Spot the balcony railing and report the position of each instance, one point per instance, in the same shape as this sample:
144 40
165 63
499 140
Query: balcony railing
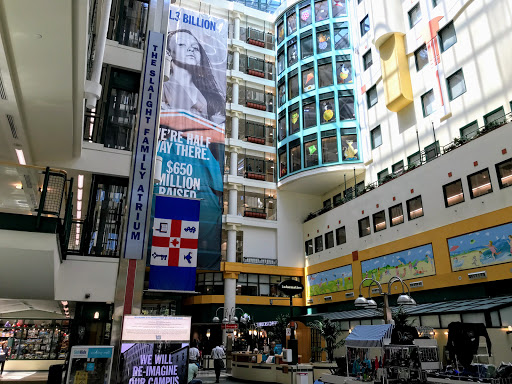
257 133
36 199
128 22
256 169
260 261
256 37
424 157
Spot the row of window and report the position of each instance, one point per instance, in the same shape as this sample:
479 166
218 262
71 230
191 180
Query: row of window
248 284
307 154
324 41
312 78
311 113
305 16
479 184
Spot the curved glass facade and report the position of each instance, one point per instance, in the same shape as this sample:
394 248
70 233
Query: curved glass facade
316 119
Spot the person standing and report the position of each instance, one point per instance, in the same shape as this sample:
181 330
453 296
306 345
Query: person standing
3 356
193 353
217 356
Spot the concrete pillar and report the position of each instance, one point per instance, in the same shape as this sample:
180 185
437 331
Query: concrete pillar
235 93
232 206
234 126
229 300
236 31
236 60
231 246
233 164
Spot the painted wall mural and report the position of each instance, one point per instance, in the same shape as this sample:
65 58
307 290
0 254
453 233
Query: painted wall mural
330 281
486 247
409 264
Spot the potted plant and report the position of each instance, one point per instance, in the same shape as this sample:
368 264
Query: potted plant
331 332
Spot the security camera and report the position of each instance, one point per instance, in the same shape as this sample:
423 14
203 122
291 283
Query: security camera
87 295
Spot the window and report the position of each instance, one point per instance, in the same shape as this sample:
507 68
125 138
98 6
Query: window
432 151
344 72
376 137
291 22
280 33
367 60
293 85
283 162
427 103
414 208
293 55
339 8
479 183
398 168
295 155
308 79
396 215
306 46
305 16
349 148
281 94
497 116
309 113
504 172
414 159
365 25
346 105
359 187
325 74
364 227
336 199
310 151
453 193
318 244
308 247
323 41
281 126
469 131
329 147
421 56
327 110
414 15
341 39
435 3
456 85
321 10
329 239
379 221
280 62
447 37
382 175
371 96
341 236
293 115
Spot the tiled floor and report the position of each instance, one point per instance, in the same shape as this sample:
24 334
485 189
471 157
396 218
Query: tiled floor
26 377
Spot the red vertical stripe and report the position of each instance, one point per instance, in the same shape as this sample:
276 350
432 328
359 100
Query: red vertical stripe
176 228
174 257
130 283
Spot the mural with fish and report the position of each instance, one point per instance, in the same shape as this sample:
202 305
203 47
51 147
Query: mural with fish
409 264
330 281
481 248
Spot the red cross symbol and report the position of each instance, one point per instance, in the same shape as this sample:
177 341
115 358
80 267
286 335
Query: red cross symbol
175 242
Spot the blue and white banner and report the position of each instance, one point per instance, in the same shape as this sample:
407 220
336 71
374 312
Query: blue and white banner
173 255
192 122
144 150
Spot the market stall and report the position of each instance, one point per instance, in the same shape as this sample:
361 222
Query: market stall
361 360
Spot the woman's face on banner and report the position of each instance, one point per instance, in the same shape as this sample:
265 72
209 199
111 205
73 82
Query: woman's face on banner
185 48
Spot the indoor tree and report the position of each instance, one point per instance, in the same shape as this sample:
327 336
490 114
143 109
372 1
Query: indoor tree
331 332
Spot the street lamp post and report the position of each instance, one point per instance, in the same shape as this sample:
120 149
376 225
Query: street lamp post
403 299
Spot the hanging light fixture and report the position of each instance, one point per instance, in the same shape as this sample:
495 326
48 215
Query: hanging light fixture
361 302
208 333
372 304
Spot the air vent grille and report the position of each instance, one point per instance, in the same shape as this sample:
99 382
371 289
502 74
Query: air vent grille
310 301
3 95
477 275
14 131
416 284
328 298
349 294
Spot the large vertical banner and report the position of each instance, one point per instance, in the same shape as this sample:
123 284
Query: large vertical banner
192 122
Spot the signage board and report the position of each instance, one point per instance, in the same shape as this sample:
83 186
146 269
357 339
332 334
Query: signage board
291 287
229 326
90 364
141 178
156 328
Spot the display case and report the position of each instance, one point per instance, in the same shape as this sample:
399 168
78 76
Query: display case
35 339
402 364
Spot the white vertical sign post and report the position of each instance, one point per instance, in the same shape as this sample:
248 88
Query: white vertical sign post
141 180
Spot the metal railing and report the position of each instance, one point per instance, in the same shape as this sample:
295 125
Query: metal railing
43 193
425 156
256 169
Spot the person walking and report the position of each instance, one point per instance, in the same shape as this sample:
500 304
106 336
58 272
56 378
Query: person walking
218 364
193 353
3 356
